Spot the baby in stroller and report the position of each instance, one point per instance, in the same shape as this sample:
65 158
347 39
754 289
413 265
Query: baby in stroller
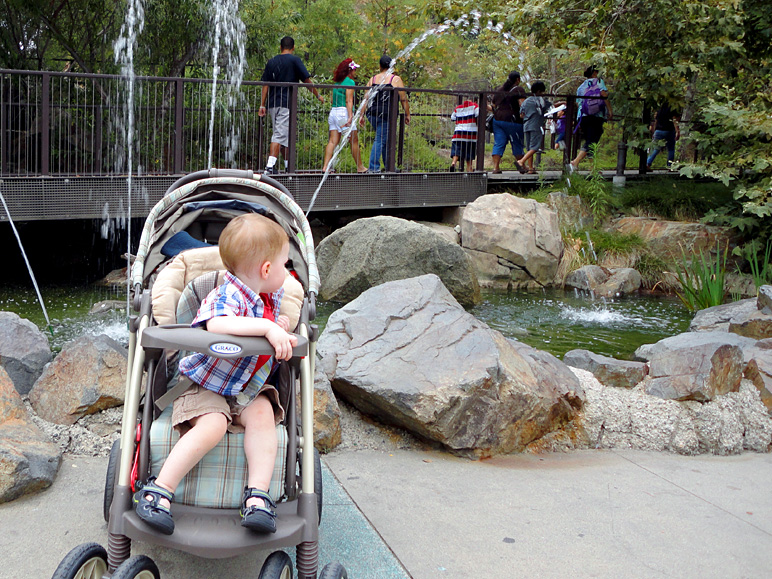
232 394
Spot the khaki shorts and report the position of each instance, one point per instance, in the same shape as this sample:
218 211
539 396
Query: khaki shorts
197 401
280 118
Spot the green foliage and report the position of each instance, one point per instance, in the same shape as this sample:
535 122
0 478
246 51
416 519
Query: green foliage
702 280
761 268
669 199
608 243
594 190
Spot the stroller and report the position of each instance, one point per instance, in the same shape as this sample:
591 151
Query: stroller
167 290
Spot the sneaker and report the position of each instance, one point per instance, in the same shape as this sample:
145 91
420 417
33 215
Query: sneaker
269 171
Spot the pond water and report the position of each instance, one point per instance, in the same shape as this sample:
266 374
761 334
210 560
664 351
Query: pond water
68 308
553 320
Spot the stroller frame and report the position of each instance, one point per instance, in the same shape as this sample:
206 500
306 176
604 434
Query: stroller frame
208 532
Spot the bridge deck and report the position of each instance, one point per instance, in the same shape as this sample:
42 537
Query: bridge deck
58 198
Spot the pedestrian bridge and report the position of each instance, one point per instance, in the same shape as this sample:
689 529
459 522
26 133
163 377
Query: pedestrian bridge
63 152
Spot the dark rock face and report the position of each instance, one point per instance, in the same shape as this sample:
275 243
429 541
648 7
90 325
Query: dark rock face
608 371
29 460
408 354
369 252
89 375
24 350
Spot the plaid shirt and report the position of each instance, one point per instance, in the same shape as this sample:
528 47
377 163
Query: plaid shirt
229 376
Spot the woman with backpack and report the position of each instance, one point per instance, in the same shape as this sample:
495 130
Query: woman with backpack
592 112
379 105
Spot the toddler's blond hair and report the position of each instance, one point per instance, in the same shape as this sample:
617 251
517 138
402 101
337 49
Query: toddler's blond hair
250 238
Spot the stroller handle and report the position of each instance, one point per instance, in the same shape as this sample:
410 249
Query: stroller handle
182 337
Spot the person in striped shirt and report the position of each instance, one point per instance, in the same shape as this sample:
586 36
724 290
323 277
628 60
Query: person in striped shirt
464 144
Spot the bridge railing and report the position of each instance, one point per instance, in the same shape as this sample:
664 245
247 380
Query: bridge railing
65 124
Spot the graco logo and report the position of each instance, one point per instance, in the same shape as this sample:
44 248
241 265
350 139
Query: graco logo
225 348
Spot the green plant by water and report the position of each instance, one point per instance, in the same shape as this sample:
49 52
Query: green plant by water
702 280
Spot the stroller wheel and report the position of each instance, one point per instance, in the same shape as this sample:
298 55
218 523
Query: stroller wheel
112 472
86 561
333 571
139 567
278 565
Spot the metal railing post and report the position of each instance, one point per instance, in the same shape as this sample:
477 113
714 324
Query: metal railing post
401 143
570 125
391 140
45 125
293 130
4 140
482 115
179 123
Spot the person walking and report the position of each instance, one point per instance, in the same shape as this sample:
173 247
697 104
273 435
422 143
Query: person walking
533 111
284 67
342 113
463 145
379 103
507 123
591 113
665 128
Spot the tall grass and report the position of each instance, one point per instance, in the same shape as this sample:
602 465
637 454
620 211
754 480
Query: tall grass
702 280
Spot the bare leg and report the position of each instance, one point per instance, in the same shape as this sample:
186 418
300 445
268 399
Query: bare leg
454 160
207 431
579 156
330 148
274 149
496 161
260 444
356 153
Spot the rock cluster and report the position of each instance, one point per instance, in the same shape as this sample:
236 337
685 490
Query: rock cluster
605 282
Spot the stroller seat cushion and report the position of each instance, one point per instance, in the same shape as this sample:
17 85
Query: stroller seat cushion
189 265
217 481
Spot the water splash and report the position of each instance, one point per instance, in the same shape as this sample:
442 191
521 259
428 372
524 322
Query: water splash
29 267
600 316
230 32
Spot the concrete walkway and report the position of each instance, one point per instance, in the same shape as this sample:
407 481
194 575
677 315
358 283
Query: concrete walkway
582 514
428 514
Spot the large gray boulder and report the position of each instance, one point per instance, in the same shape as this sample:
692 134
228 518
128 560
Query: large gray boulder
29 460
371 251
24 350
522 235
88 375
609 371
408 354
